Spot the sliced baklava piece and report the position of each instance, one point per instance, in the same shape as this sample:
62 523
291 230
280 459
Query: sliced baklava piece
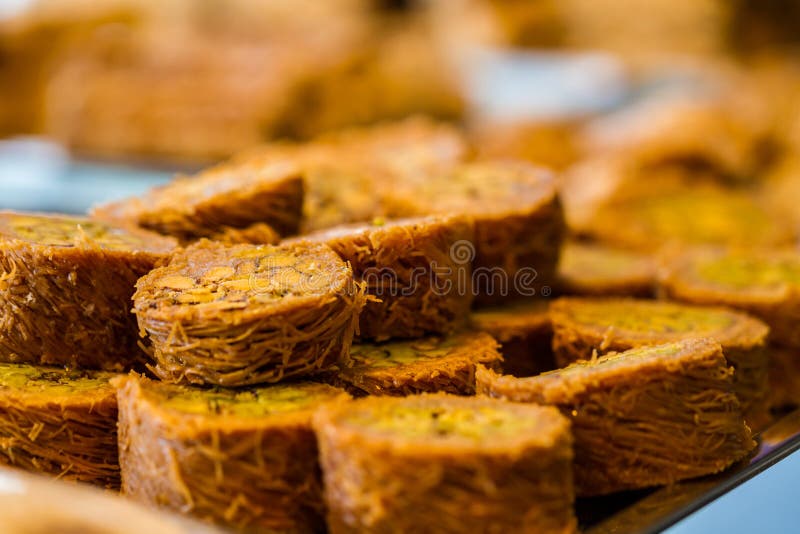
232 195
784 378
519 223
584 327
525 335
407 266
248 314
431 364
445 463
645 417
65 289
599 270
648 218
59 423
245 458
765 283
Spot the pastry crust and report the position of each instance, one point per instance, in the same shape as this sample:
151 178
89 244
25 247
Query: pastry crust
234 195
451 463
426 365
245 459
248 314
583 326
417 286
519 222
645 417
65 289
59 423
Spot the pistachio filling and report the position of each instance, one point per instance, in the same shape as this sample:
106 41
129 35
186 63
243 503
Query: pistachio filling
31 379
653 317
67 231
740 272
479 424
248 403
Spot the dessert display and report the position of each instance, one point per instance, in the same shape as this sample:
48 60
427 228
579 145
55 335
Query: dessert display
248 314
648 416
414 285
396 265
59 423
65 289
477 464
243 458
585 327
426 365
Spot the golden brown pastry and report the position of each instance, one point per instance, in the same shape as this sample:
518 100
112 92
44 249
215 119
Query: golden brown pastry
227 198
449 463
583 327
519 223
426 365
59 423
248 314
762 282
65 289
244 459
415 284
644 417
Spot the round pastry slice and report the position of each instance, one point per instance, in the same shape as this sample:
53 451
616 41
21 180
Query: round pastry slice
519 223
424 365
248 314
599 270
60 423
765 283
232 195
684 214
418 286
445 463
65 289
525 335
645 417
582 327
245 459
